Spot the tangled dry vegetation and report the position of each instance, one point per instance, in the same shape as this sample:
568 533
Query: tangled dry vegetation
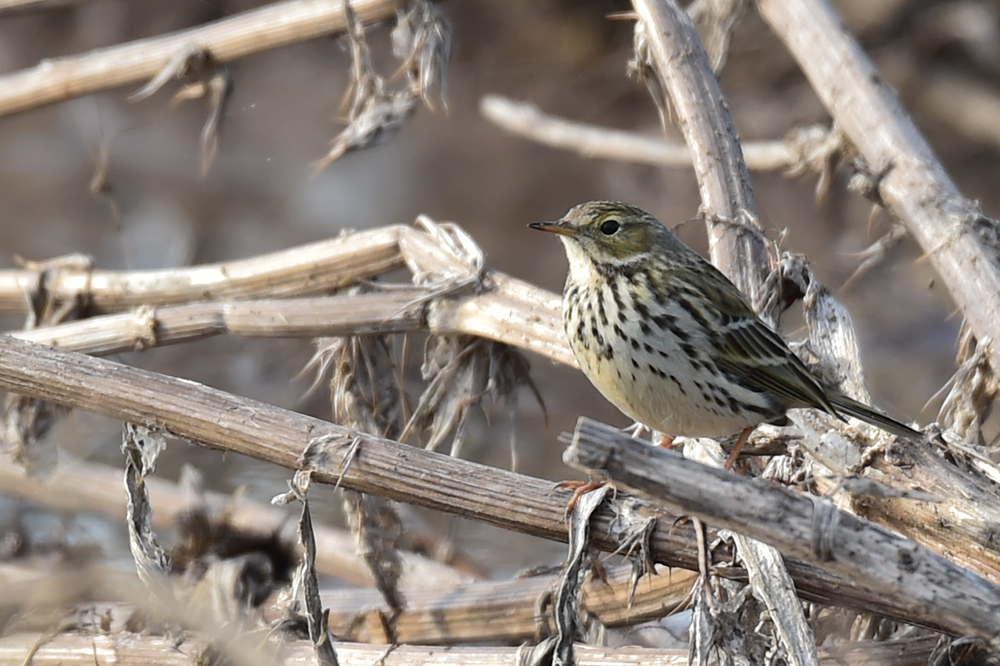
835 543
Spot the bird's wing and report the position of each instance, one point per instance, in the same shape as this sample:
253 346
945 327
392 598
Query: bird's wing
757 356
762 361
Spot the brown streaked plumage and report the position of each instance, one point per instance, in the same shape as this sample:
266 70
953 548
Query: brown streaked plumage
670 341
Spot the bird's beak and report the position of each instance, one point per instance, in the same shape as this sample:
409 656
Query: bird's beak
561 227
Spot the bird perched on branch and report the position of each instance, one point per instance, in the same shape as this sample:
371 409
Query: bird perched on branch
670 341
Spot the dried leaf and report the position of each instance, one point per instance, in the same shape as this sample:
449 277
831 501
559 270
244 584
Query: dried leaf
872 255
375 113
307 580
972 390
462 370
201 75
364 388
567 608
377 528
422 40
366 395
27 421
641 68
717 21
141 446
819 150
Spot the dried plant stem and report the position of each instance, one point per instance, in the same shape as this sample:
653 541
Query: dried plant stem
604 142
699 107
506 309
736 243
226 40
79 649
77 485
299 271
960 242
512 312
504 610
383 467
801 525
389 312
135 650
878 478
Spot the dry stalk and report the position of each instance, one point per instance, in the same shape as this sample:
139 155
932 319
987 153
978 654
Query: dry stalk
802 525
693 94
393 470
508 611
78 485
895 472
502 308
226 40
528 121
300 271
85 648
669 50
962 244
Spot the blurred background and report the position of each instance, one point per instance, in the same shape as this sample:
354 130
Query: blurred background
565 56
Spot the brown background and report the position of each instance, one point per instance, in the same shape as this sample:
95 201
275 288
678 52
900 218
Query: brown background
567 58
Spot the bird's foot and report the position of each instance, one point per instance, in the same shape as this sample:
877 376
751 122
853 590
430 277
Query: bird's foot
635 430
741 441
579 488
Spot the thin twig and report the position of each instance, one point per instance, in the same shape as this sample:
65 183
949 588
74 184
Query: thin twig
604 142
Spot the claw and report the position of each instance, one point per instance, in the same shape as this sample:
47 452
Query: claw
740 443
580 488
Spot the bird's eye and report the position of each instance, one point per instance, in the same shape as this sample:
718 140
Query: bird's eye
609 227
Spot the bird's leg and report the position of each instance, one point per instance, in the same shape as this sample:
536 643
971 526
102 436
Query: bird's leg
579 488
666 441
737 448
635 430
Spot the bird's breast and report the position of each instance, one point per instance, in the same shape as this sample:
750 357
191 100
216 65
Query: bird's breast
650 358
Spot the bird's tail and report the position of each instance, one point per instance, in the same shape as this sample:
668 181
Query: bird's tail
869 415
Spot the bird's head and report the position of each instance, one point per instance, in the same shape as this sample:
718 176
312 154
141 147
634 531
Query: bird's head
609 233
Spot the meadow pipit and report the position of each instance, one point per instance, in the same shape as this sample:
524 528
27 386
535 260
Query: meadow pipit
670 341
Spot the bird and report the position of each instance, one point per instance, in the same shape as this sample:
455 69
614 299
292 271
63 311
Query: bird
670 341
